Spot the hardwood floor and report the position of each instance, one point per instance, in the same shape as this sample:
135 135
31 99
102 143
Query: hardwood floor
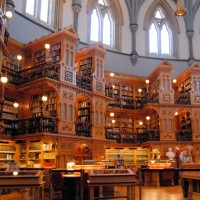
148 193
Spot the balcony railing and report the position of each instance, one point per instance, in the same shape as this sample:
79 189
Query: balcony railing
135 104
84 82
49 70
184 135
183 99
134 138
32 125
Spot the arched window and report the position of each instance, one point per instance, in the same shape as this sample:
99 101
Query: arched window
160 34
107 15
162 29
102 24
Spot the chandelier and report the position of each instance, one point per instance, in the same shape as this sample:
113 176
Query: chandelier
180 8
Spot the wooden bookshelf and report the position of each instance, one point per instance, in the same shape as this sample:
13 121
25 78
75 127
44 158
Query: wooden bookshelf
54 54
127 97
83 125
185 121
12 62
185 86
142 157
10 116
127 124
37 154
48 108
7 151
39 57
131 156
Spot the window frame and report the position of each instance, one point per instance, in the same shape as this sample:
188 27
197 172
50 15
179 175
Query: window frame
101 14
37 13
115 12
159 31
171 21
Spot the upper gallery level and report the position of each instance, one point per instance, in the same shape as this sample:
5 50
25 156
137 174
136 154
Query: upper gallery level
64 90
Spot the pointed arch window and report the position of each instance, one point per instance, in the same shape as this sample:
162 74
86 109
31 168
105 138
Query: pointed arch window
160 34
102 24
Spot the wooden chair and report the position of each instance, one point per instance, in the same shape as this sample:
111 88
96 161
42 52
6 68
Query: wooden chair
56 185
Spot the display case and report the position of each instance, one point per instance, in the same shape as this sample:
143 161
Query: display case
30 177
111 175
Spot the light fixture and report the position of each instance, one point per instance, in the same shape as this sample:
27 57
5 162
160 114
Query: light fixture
174 80
147 81
44 98
113 121
139 90
140 123
112 114
4 79
47 46
147 118
112 74
176 113
113 86
10 6
19 57
16 105
180 9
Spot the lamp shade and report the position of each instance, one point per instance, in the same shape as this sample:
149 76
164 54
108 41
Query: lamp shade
180 8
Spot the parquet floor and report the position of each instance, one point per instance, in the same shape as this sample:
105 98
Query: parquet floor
148 193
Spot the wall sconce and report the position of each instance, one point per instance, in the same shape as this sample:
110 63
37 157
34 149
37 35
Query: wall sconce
10 6
148 122
113 121
147 84
44 98
180 9
112 114
139 90
140 123
4 79
176 113
16 105
47 47
147 81
147 118
112 74
19 58
174 80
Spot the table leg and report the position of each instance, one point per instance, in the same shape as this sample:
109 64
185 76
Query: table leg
91 193
100 191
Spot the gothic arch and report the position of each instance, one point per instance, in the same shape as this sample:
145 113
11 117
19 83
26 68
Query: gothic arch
172 21
117 15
